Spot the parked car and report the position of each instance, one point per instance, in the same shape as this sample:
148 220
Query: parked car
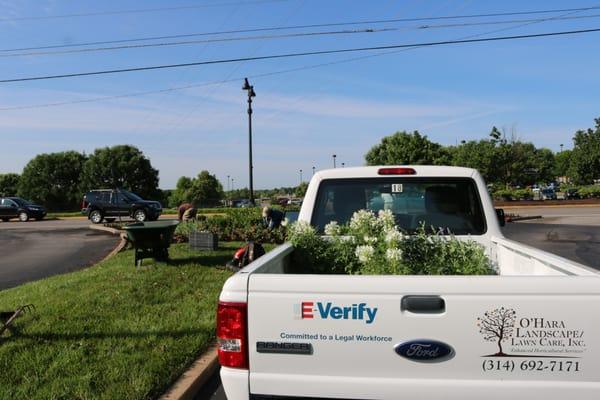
548 194
107 204
16 207
572 193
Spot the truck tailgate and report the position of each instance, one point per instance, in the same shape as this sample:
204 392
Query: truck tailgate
382 337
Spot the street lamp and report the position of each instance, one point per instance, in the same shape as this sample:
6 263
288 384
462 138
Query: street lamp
232 185
301 177
561 146
343 164
227 183
334 160
250 89
313 168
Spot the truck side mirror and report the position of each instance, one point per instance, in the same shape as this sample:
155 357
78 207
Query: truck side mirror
501 217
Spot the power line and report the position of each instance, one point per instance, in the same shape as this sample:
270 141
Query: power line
324 25
141 10
292 35
300 54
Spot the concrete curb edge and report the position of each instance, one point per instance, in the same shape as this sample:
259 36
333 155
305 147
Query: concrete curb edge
190 382
523 218
112 231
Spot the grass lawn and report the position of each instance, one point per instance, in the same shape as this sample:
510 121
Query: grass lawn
112 331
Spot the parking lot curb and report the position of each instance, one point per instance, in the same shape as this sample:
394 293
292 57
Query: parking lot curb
523 218
190 382
112 231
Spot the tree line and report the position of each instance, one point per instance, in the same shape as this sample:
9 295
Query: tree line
500 159
59 180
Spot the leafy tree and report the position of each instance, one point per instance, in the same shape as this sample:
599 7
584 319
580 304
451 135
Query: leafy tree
479 155
121 166
585 157
404 148
9 184
300 190
206 190
563 163
53 180
181 194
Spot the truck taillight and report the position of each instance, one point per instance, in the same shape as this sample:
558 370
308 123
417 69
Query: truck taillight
396 171
232 334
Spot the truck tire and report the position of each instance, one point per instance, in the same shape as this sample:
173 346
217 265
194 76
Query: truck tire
23 217
96 216
140 215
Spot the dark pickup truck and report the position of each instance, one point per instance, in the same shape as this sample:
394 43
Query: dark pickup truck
107 204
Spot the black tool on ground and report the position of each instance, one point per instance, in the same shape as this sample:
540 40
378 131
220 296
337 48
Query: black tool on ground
245 255
7 317
151 239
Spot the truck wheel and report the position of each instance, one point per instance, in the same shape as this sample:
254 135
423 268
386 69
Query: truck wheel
96 217
140 215
23 217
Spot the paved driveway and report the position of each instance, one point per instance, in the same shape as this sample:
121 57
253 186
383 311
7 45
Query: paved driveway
34 250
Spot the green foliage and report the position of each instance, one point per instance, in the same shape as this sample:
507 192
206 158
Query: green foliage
9 184
53 180
509 194
585 157
370 245
562 163
121 166
404 148
236 224
206 190
203 191
590 191
300 191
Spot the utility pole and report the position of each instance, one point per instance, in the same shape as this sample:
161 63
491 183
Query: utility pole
250 89
334 160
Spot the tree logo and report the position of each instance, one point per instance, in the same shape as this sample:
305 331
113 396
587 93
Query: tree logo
497 326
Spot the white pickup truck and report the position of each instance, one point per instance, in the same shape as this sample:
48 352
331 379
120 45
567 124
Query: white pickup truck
530 332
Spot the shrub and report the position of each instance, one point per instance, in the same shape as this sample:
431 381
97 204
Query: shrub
237 224
590 191
372 245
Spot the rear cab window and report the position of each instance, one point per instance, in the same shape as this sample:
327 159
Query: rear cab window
445 205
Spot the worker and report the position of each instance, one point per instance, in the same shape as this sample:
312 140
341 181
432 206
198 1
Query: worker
272 218
181 210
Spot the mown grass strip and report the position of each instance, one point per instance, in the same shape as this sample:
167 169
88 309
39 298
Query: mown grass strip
112 331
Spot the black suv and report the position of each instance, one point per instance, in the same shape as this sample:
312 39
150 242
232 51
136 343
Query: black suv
16 207
109 204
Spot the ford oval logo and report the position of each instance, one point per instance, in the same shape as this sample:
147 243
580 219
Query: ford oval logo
425 350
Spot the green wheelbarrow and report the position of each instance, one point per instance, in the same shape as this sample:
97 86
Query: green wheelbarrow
151 239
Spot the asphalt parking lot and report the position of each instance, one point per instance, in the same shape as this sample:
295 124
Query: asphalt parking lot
37 249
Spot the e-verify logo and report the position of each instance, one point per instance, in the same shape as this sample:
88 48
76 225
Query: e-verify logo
312 309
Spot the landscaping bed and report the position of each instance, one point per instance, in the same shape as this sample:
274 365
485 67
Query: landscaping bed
113 330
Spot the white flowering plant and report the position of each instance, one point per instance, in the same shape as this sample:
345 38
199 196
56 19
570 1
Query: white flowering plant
372 244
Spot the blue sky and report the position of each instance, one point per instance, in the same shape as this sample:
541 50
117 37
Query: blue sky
541 89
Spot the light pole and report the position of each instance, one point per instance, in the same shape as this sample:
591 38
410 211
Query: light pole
301 177
561 146
313 168
232 185
250 89
343 164
334 160
227 183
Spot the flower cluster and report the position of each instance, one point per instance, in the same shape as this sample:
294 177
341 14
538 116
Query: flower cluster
372 244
